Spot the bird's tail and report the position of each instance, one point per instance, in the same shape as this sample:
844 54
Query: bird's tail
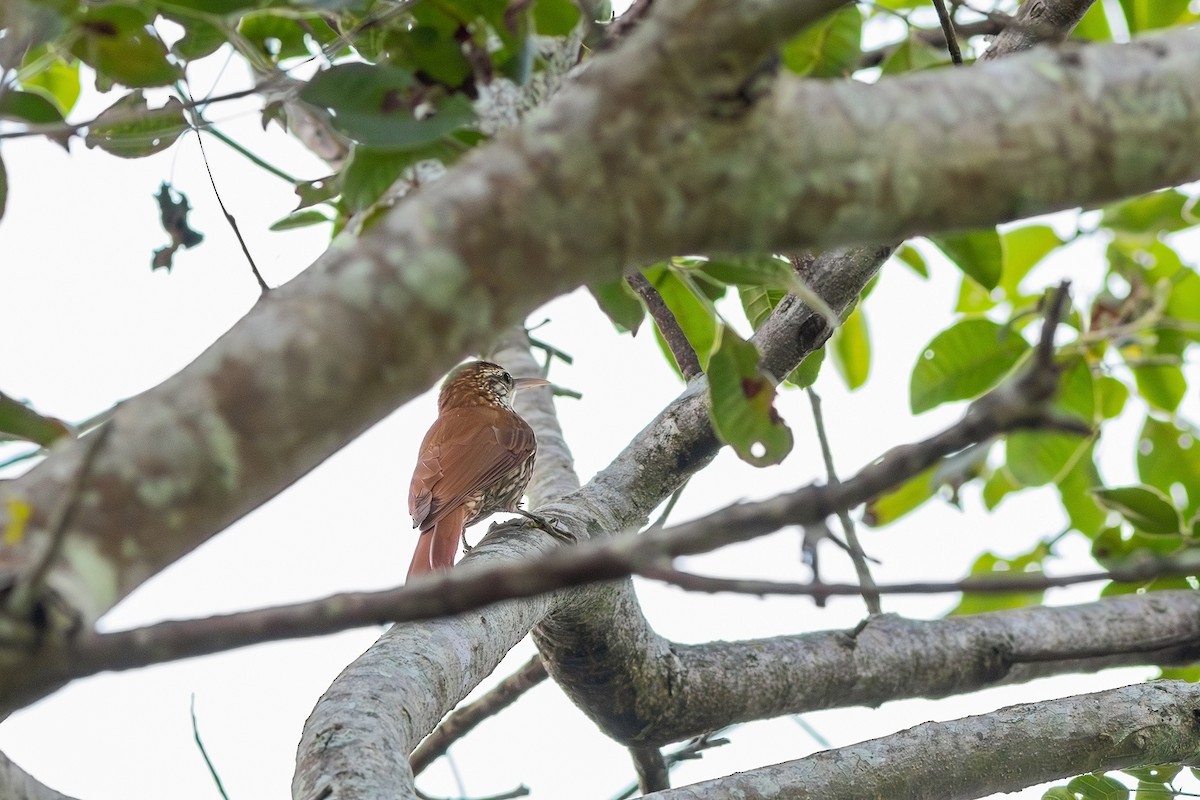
437 545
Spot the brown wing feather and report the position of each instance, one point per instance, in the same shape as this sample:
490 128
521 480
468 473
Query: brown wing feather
479 445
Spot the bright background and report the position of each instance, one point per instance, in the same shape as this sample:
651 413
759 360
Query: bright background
86 323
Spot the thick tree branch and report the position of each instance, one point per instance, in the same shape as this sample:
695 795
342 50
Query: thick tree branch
1006 750
17 784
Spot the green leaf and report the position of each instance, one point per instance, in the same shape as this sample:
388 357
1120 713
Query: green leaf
829 48
58 81
318 191
1022 249
806 374
913 54
114 40
555 17
1162 386
963 362
694 313
432 45
1144 507
998 486
18 420
915 261
200 38
851 344
1094 26
1098 787
758 302
620 303
1151 214
895 503
743 402
989 566
1059 793
1144 15
375 104
218 7
1075 491
766 271
972 298
1169 456
369 173
276 36
129 128
300 219
977 253
1040 457
1162 773
1111 395
28 107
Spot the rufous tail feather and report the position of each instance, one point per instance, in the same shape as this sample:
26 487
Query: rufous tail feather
438 545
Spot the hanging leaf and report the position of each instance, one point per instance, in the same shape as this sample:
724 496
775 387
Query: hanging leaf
894 504
1149 215
620 303
913 54
977 253
129 128
555 17
1169 456
379 106
989 566
908 255
1036 458
851 344
28 107
1022 249
300 219
758 303
1098 787
963 362
19 421
1143 507
1075 492
743 402
58 80
806 374
116 41
829 48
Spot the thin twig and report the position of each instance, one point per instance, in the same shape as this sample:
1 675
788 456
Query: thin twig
691 750
198 117
948 31
854 548
465 719
212 770
28 589
685 355
1015 584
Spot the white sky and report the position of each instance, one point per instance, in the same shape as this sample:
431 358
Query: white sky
86 323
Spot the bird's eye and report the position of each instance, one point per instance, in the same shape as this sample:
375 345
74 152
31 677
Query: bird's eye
507 377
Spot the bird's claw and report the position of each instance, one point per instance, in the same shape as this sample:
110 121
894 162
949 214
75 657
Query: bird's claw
549 526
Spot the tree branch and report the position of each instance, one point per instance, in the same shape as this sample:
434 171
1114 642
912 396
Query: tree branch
681 349
1151 723
17 784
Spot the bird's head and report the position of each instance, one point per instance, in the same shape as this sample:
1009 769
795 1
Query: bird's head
482 383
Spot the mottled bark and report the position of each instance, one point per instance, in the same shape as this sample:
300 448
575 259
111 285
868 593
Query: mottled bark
1006 750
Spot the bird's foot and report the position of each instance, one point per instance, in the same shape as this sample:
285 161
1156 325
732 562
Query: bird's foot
549 526
467 546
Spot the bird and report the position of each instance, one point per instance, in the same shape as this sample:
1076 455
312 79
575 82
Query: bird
476 459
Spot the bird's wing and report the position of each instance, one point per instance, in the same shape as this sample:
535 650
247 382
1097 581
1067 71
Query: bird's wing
464 452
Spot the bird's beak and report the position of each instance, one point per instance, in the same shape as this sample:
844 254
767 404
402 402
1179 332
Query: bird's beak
527 383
